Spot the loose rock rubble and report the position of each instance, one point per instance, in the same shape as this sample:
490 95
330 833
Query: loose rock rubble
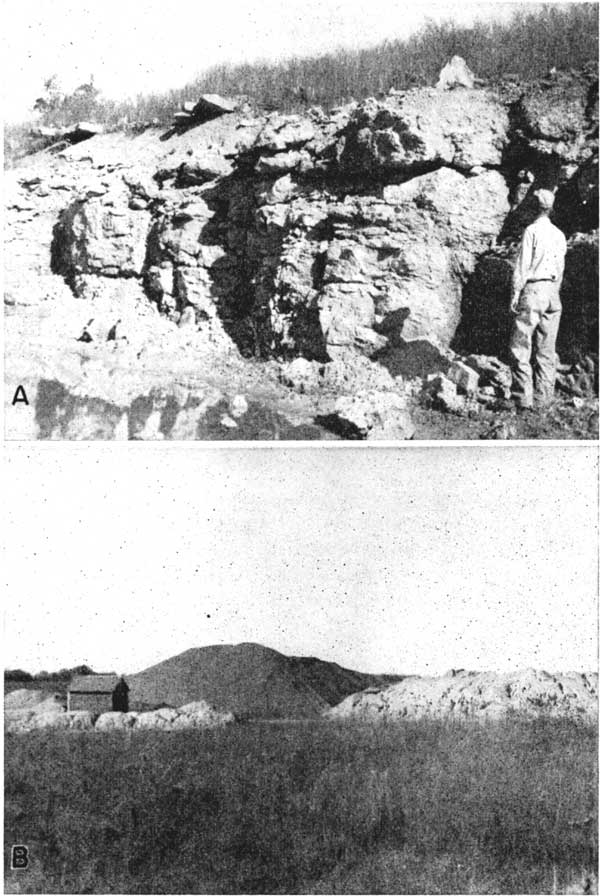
377 238
476 695
26 710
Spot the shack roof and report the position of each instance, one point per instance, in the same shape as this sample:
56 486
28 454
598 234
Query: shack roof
103 683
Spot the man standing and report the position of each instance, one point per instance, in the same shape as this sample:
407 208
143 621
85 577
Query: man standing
536 305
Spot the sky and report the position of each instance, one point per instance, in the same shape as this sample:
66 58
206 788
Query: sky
412 559
132 47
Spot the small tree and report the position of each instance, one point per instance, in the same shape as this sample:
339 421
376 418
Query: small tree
49 103
57 108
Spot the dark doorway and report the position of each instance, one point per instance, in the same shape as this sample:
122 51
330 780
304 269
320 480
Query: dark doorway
120 697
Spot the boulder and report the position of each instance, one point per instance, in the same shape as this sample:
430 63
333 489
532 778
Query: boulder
81 720
465 378
301 375
202 168
282 162
459 128
200 714
375 416
212 105
282 132
455 73
89 127
116 721
445 395
492 373
282 190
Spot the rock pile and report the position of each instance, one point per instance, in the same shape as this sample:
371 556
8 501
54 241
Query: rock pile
26 710
476 695
193 715
469 384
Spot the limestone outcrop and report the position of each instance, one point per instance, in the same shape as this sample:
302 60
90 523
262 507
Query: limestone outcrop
382 231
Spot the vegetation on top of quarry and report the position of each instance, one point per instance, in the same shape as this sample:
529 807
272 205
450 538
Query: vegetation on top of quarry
525 48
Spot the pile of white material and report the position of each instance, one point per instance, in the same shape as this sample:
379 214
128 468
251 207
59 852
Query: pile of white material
26 710
193 715
24 700
472 695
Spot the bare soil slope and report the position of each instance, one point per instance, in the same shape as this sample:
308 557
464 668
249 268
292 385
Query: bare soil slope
249 680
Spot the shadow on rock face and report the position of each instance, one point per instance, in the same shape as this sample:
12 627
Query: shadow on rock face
578 333
407 358
417 358
486 321
339 427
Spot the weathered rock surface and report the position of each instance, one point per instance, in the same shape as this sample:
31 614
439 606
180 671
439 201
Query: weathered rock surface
473 695
382 231
375 416
102 236
427 126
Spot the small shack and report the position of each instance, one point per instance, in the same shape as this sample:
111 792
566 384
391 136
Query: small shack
105 692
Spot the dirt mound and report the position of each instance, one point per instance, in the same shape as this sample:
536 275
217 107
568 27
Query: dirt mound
469 695
334 682
24 698
248 680
26 701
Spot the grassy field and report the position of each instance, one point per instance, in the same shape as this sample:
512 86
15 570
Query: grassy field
420 807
